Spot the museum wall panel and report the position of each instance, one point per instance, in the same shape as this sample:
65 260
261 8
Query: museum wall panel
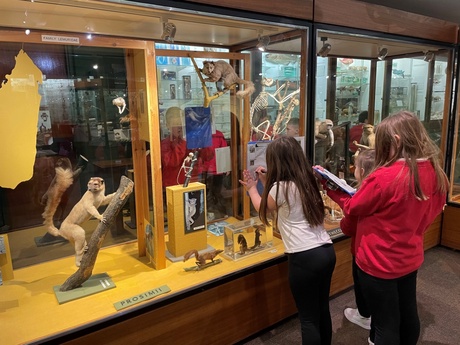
300 9
361 15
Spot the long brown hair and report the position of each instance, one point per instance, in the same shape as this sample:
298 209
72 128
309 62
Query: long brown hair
414 143
287 162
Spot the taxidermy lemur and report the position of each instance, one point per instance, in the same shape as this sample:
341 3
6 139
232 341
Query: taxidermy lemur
221 70
70 228
201 258
63 179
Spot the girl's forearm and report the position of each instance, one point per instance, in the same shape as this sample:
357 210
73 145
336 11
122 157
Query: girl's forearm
255 197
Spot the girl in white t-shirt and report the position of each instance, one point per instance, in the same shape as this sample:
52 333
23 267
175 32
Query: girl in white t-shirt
290 189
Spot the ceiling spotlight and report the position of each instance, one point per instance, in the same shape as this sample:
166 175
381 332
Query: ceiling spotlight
429 56
325 49
264 41
169 31
383 52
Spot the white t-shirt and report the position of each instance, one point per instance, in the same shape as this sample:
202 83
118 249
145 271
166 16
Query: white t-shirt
297 234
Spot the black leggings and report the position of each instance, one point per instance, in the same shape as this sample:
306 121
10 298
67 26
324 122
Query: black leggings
310 274
393 306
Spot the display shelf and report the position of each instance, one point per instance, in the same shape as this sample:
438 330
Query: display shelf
31 290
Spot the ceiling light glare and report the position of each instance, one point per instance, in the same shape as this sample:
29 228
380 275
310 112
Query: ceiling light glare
429 56
264 41
169 32
325 49
383 52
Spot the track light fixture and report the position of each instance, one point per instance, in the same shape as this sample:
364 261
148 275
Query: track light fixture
383 52
169 31
429 56
325 49
264 41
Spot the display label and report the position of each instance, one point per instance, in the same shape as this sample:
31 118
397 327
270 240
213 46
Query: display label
141 297
60 39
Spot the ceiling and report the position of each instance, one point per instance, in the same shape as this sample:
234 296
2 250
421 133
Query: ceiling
115 18
119 19
448 10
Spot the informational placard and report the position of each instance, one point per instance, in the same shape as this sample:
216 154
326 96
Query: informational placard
223 161
142 297
256 154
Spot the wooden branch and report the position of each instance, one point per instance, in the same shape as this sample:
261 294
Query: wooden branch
89 258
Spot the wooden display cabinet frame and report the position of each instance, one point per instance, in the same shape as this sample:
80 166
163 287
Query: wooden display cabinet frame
143 105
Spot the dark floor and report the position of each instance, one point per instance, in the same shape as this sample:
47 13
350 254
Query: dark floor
438 302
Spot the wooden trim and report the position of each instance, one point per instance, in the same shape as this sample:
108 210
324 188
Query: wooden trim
362 15
450 230
96 41
151 93
300 9
138 147
432 236
372 89
342 278
303 82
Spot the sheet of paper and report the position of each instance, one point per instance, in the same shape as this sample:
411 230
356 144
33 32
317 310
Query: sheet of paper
223 162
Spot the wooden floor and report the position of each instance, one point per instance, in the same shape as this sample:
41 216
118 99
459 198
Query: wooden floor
29 309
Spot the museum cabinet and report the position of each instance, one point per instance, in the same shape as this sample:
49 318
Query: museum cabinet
104 82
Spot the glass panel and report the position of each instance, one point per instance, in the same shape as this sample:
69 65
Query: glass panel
79 127
273 104
191 130
360 80
278 100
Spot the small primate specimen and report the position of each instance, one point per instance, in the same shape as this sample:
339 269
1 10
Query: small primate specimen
70 228
221 70
257 241
201 258
243 244
63 179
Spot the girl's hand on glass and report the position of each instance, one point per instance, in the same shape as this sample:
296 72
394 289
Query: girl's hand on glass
248 180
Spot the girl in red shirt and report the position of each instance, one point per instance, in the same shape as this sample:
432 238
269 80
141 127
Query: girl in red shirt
395 205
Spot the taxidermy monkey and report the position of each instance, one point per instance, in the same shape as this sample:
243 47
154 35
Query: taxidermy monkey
368 138
70 228
323 130
221 70
63 178
201 258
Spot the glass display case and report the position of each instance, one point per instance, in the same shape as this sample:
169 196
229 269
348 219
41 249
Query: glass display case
355 77
103 106
246 238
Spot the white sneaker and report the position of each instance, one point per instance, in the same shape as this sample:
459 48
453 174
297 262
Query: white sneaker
369 341
353 315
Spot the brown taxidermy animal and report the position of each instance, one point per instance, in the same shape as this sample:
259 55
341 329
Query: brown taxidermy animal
62 180
70 228
243 244
221 70
368 137
201 258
